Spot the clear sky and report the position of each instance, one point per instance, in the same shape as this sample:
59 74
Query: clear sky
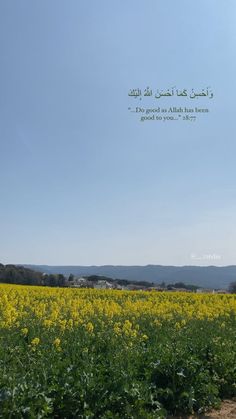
82 181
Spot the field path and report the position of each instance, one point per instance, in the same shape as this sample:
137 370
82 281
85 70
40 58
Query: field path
227 411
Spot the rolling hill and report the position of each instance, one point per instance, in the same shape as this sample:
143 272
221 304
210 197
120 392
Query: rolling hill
203 276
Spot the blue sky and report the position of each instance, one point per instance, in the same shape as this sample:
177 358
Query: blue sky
82 180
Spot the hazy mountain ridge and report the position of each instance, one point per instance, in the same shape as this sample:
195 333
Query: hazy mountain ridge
203 276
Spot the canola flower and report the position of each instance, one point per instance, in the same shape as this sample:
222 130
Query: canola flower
57 344
89 327
24 331
35 342
121 311
88 338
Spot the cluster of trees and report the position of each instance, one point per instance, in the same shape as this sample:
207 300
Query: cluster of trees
12 274
181 285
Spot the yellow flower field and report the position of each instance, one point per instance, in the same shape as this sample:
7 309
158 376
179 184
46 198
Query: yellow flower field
72 307
106 353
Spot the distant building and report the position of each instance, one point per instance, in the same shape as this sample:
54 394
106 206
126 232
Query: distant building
103 285
78 282
118 287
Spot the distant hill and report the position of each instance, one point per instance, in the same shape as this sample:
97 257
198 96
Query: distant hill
203 276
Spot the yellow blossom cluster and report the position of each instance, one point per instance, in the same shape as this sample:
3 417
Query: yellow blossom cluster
68 308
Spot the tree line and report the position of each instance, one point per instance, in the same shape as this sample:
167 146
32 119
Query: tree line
13 274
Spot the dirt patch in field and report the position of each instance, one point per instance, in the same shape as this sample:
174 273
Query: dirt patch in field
226 411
